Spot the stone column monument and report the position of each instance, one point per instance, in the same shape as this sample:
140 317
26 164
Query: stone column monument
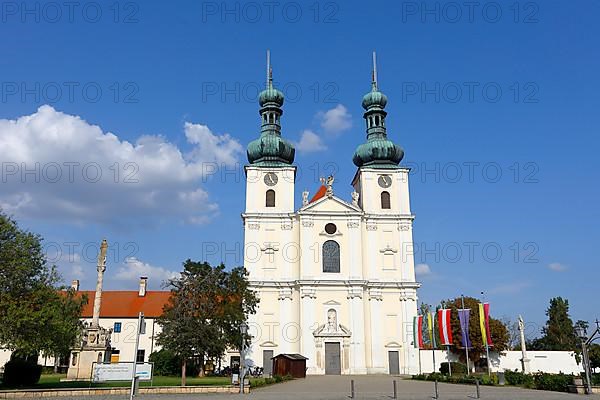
524 359
94 345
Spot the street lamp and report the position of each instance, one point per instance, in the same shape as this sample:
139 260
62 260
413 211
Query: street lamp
581 333
243 331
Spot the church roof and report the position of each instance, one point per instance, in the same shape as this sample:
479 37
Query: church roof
126 303
320 193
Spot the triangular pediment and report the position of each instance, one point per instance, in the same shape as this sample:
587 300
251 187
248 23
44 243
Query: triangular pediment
330 205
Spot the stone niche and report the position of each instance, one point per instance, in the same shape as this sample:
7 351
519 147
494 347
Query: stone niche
94 348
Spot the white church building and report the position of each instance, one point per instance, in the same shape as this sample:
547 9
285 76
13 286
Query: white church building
335 277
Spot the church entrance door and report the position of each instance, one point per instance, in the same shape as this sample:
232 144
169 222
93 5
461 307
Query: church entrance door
394 361
333 365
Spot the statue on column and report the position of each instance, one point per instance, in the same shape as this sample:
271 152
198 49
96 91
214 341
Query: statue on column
524 359
94 346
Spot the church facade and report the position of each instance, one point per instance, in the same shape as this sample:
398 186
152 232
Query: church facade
335 277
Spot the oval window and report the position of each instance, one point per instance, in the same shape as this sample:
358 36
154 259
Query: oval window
330 228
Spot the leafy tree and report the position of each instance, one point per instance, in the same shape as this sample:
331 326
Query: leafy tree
206 308
498 331
37 317
594 353
559 332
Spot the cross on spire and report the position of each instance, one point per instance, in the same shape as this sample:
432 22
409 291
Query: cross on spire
269 70
374 70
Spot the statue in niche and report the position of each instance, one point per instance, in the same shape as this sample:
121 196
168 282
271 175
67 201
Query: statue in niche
331 320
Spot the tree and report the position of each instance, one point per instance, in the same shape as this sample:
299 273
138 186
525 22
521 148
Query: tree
498 331
37 317
559 332
514 335
594 353
205 311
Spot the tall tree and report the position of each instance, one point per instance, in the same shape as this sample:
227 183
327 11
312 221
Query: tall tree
498 331
205 311
37 317
559 332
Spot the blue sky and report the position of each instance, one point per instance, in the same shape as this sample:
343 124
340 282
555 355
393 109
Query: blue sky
496 108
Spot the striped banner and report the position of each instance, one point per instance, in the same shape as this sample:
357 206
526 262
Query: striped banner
445 327
430 329
463 318
484 324
418 331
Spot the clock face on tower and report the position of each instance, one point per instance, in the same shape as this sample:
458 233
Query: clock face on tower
385 181
271 179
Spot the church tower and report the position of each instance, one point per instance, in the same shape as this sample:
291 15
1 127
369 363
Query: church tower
270 175
382 185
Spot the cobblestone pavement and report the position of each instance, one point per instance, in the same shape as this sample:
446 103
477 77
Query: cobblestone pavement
366 387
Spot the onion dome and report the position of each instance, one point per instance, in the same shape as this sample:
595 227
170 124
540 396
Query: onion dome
378 151
270 149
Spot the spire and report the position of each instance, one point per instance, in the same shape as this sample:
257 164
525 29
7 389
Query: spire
374 83
270 149
378 151
269 71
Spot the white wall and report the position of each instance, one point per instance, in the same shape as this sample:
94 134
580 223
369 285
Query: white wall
540 361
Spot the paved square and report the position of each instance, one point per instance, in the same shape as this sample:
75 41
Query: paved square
368 387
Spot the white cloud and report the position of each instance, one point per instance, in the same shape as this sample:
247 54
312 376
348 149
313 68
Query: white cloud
423 269
310 142
58 166
335 120
557 267
131 270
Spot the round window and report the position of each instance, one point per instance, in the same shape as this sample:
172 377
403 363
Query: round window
330 228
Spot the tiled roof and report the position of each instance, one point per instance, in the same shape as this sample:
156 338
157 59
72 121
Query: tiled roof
126 303
320 193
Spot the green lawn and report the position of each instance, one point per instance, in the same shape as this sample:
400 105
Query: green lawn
52 381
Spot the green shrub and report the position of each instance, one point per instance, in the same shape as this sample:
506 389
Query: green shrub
596 379
516 378
457 368
489 380
165 363
553 382
21 373
269 381
278 378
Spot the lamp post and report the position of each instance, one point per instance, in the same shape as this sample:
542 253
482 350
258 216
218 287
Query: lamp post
243 331
581 333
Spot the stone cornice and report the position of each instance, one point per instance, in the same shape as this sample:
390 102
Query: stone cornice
300 283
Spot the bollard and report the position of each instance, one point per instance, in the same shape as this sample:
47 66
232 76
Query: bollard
477 388
395 391
436 395
352 388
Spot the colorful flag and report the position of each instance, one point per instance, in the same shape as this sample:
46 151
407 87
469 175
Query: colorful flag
484 323
418 331
430 329
445 326
463 318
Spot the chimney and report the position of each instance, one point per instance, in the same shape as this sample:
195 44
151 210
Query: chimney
143 286
75 285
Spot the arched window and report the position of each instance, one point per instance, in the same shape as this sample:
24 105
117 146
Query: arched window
331 256
385 200
270 198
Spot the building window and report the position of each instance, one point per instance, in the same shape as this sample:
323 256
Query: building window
331 256
385 200
141 354
330 228
117 327
270 198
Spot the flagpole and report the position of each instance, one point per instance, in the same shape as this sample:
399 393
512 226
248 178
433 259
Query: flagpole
487 347
433 339
449 363
462 299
